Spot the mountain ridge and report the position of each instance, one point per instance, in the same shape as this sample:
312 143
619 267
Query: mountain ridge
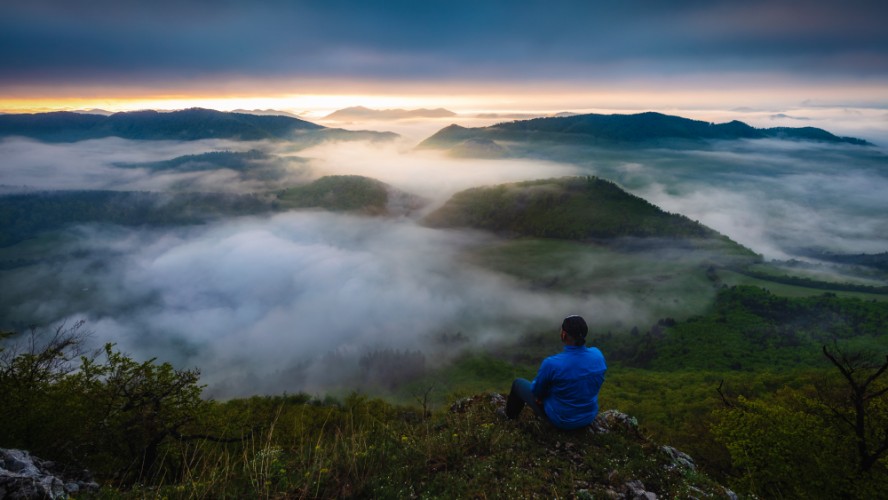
619 129
186 124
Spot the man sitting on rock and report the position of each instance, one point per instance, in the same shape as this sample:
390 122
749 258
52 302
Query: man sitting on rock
565 390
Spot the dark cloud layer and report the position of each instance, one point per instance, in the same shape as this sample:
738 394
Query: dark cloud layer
132 42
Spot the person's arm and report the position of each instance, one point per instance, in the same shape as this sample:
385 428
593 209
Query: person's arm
540 384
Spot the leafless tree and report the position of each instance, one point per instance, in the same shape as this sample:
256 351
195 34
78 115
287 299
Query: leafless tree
861 375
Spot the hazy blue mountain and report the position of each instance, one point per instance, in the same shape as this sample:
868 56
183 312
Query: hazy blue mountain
252 165
650 128
478 148
362 113
265 112
234 160
188 124
94 111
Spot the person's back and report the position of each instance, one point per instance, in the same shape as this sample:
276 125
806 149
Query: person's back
568 384
565 390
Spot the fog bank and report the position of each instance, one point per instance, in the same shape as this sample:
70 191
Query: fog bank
260 304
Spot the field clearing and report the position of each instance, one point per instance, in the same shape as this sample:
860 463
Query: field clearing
732 278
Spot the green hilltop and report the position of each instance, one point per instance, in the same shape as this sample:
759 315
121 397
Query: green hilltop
570 208
339 193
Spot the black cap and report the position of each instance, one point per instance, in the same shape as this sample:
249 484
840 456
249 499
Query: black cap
575 326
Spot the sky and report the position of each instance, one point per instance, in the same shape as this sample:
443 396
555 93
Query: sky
312 57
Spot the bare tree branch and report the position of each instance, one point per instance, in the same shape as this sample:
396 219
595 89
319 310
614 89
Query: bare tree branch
724 399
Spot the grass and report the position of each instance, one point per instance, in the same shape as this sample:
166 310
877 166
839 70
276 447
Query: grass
368 448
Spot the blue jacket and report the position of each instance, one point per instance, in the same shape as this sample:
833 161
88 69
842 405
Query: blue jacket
568 383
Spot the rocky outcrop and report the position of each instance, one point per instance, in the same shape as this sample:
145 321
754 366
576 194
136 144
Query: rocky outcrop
23 476
598 455
614 421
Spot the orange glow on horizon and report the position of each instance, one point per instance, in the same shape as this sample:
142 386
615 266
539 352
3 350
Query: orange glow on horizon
317 100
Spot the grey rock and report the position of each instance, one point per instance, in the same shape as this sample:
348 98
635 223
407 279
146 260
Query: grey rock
612 420
24 476
635 490
679 458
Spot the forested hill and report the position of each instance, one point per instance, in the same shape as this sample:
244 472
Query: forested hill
621 129
186 125
28 215
574 208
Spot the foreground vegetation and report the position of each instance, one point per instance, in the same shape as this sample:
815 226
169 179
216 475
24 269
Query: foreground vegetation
748 389
144 429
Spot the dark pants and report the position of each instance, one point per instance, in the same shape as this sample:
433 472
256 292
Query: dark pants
521 395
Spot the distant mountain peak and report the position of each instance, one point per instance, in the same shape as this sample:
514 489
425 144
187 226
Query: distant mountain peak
364 113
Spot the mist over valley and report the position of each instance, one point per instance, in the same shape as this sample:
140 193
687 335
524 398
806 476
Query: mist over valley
261 261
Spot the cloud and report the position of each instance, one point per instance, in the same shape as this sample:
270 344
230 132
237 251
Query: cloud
261 304
128 41
263 298
784 116
95 164
427 173
778 198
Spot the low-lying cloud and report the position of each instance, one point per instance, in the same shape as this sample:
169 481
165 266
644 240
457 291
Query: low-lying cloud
260 304
114 164
428 173
294 301
779 198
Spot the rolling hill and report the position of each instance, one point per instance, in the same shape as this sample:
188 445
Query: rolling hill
185 125
643 128
349 193
571 208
